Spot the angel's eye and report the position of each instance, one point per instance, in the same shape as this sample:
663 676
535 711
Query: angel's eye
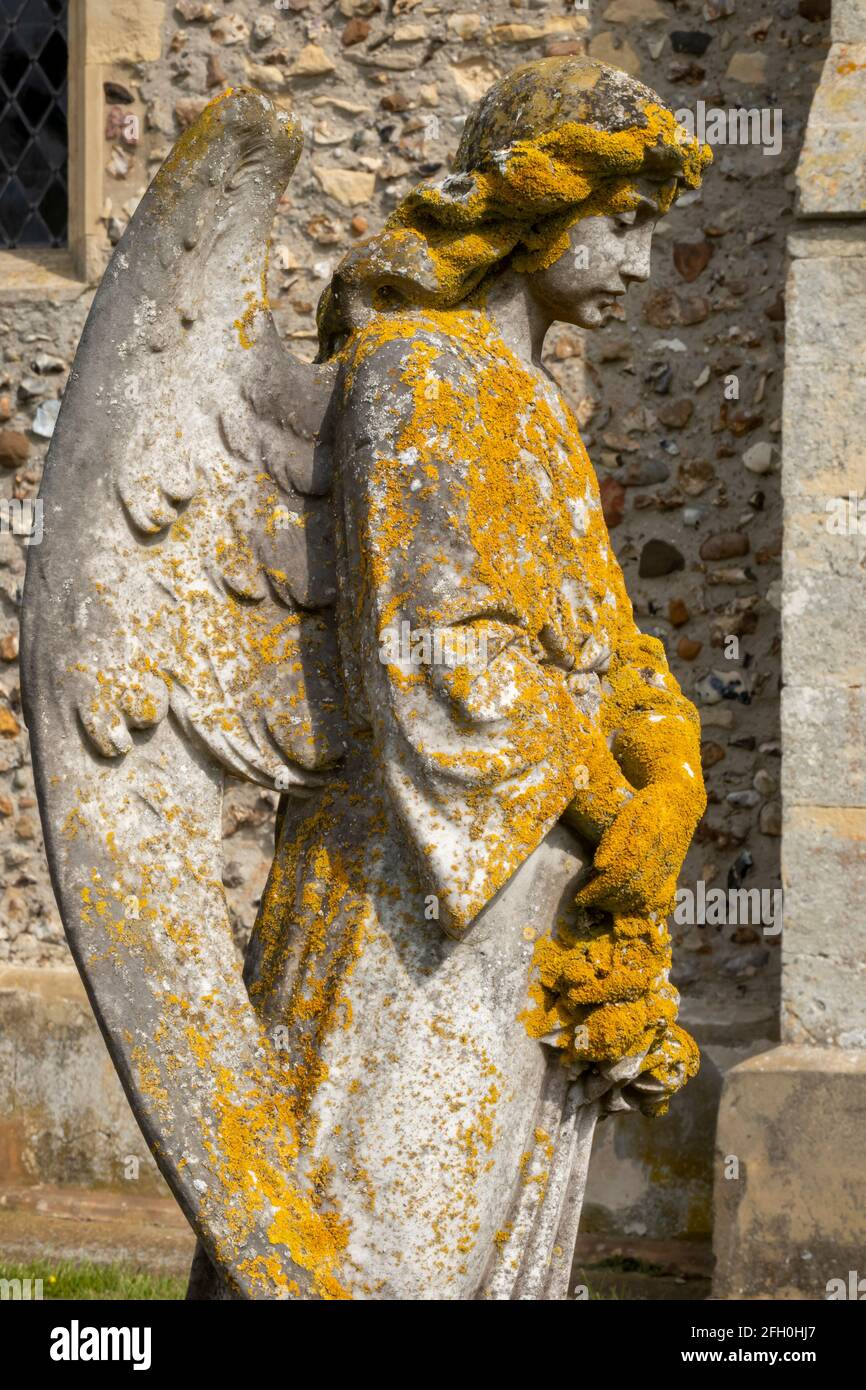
385 297
624 220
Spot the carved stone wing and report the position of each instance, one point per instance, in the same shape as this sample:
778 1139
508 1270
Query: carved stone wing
174 629
188 528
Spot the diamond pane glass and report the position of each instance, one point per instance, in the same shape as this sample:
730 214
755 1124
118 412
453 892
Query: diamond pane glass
33 130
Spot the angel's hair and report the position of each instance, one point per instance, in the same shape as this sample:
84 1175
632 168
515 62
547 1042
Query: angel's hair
554 141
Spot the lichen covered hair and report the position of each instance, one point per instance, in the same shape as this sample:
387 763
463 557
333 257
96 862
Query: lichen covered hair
553 142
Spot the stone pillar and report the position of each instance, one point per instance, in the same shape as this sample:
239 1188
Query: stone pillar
790 1181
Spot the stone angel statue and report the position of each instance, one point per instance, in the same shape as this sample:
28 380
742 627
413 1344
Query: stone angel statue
382 585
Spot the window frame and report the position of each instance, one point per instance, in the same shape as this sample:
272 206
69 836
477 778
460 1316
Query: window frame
102 36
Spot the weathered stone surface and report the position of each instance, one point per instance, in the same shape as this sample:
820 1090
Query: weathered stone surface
517 33
188 109
848 22
356 31
717 685
830 174
677 1194
792 1118
644 473
195 11
714 716
124 31
409 33
825 756
824 860
823 586
665 309
822 297
823 818
9 725
65 1117
216 75
678 613
695 476
770 820
825 457
230 29
826 343
711 753
464 25
691 41
267 77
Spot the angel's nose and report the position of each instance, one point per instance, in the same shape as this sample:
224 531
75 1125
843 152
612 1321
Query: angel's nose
637 260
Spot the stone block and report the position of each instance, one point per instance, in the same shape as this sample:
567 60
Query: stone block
65 1119
825 323
124 31
793 1219
824 421
848 21
823 626
827 239
824 932
831 173
824 761
826 535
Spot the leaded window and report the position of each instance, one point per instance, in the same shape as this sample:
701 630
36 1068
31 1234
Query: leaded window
33 130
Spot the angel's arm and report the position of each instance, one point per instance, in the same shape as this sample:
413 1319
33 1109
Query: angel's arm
655 731
654 735
479 740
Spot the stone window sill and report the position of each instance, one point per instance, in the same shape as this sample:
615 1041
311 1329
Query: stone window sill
31 275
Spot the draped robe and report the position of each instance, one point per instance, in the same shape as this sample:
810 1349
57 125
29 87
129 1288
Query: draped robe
480 607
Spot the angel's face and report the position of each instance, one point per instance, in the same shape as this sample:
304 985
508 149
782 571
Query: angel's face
605 255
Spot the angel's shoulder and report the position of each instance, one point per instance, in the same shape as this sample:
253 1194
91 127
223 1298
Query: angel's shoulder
395 356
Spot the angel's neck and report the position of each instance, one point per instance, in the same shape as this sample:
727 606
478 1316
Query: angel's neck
521 321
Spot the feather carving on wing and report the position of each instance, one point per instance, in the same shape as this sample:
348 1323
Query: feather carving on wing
178 625
204 584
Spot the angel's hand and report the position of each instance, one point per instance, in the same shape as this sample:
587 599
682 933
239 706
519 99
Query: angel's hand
640 855
648 1081
667 1067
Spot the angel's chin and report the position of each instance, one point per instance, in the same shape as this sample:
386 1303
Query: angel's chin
592 315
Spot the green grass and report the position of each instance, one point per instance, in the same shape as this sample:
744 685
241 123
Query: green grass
81 1280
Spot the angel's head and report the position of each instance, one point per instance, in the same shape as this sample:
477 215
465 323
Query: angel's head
604 254
563 168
